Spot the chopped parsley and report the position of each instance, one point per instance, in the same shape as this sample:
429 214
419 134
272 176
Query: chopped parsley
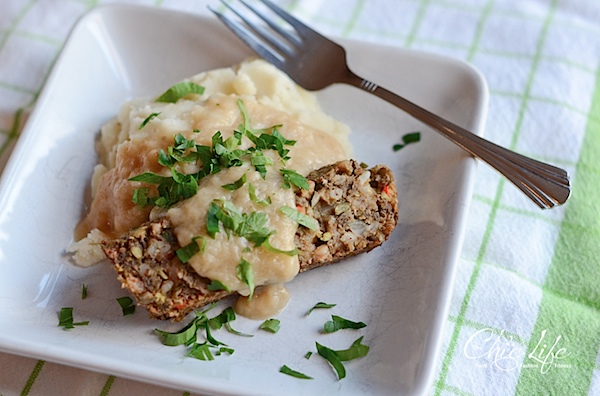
260 162
335 358
180 90
84 290
320 305
330 355
252 226
148 119
216 285
409 138
65 319
271 325
208 346
127 305
338 323
223 153
245 274
254 198
201 351
196 245
296 374
236 184
355 351
270 248
224 319
291 177
300 218
247 126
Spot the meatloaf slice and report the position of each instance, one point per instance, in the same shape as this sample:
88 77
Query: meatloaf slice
356 209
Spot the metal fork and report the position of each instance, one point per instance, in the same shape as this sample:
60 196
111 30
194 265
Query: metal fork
315 62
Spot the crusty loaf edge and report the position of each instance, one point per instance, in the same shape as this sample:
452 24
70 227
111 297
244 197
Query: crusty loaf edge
356 208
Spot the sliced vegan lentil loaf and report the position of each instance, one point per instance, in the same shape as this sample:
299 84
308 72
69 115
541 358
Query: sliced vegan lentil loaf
356 210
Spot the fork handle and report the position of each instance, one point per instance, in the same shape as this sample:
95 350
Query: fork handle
544 184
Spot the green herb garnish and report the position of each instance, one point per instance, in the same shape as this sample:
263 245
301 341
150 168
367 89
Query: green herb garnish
300 217
245 274
296 374
308 355
127 305
252 226
320 305
254 198
236 184
224 319
339 323
335 358
223 153
188 335
201 352
216 285
181 337
140 197
260 162
180 90
330 355
226 350
170 189
356 350
188 251
212 221
84 289
291 177
409 138
247 127
65 319
270 248
271 325
148 119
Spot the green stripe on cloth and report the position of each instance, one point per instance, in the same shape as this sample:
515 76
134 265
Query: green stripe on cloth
32 377
107 385
440 384
569 309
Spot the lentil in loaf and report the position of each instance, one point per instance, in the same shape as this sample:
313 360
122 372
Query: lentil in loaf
356 210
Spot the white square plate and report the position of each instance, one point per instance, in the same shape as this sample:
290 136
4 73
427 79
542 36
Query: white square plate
400 290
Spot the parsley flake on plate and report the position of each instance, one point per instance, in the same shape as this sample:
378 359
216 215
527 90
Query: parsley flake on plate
338 323
296 374
336 357
320 305
409 138
271 325
127 305
65 319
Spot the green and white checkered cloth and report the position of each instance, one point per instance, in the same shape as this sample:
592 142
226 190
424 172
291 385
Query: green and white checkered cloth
525 311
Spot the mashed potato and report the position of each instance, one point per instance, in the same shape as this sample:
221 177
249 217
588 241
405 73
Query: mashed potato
129 145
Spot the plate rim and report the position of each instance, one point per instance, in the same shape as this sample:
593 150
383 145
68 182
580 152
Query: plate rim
16 158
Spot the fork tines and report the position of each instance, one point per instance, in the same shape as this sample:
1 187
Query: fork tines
261 33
